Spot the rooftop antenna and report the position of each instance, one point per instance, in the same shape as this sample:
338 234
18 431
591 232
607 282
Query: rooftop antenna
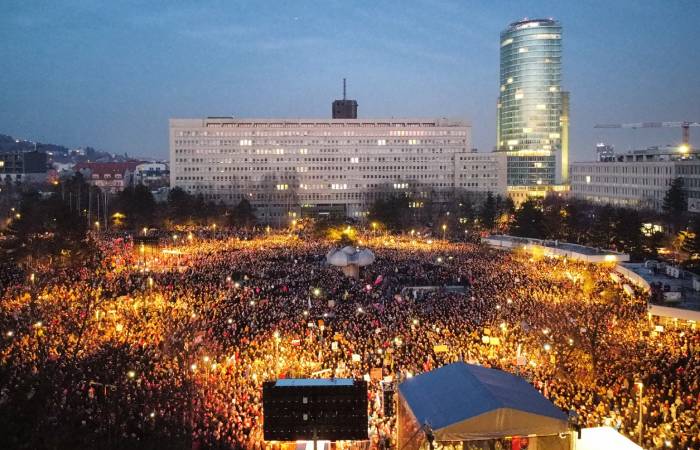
343 88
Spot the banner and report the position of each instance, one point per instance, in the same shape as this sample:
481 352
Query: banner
440 348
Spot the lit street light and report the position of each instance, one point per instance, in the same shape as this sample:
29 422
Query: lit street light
640 424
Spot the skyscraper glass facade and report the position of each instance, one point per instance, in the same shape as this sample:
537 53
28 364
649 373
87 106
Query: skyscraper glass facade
532 110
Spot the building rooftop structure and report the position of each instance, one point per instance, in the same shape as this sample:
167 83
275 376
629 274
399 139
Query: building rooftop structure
651 154
528 23
106 168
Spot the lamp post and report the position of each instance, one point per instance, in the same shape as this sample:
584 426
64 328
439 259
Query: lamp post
444 229
640 424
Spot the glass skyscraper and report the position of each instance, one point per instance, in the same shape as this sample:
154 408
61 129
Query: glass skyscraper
533 116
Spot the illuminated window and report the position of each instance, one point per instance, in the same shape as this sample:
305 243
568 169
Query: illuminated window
588 179
554 135
354 160
503 88
507 42
552 89
381 141
522 50
527 130
413 141
519 95
282 187
509 80
245 142
513 142
541 106
339 186
303 151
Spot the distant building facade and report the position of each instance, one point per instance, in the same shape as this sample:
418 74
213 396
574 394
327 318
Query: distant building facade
533 112
23 166
111 177
296 167
639 179
152 174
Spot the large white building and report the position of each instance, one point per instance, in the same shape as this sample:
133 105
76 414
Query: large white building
293 167
639 179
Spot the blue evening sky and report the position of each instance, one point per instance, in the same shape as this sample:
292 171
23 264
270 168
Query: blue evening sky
110 73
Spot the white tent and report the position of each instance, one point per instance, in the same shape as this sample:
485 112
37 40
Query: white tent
604 438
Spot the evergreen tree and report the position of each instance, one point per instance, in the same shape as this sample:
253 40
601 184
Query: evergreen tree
392 212
691 242
675 205
628 232
603 227
674 200
137 204
180 204
243 215
487 214
529 221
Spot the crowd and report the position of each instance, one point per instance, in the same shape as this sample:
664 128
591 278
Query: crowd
169 346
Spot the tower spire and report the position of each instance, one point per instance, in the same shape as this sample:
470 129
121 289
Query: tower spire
344 97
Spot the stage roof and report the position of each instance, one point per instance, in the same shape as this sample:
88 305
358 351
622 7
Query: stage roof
467 402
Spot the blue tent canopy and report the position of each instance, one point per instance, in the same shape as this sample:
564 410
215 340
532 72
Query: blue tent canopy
466 402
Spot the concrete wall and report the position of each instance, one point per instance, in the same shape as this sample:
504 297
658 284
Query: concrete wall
537 246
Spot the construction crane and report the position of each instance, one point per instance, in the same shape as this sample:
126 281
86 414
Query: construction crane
685 145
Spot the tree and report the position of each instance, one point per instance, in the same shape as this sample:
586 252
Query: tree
243 215
46 227
529 220
603 227
675 205
392 212
554 212
487 213
180 204
691 243
137 204
578 221
628 232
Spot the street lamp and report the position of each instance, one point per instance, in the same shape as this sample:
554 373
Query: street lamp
444 229
640 424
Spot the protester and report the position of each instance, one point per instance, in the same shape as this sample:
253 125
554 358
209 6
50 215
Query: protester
175 341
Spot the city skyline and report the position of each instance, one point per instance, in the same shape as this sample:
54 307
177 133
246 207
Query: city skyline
83 74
